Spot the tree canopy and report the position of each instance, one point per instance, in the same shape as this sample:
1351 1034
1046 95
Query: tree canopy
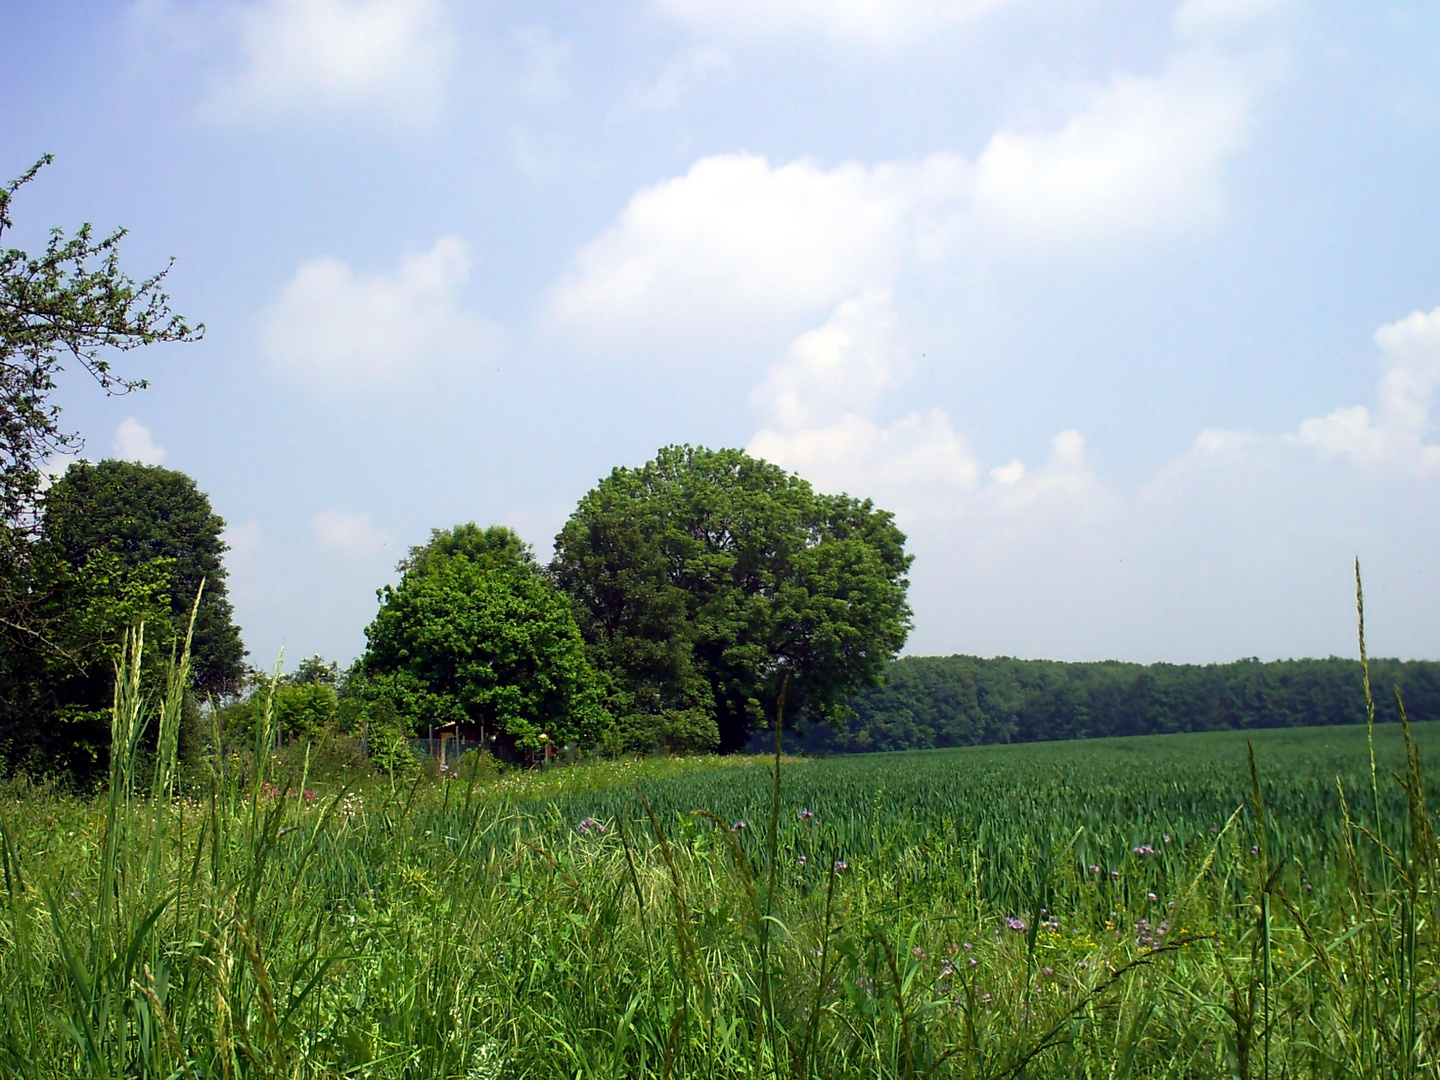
475 633
705 580
141 514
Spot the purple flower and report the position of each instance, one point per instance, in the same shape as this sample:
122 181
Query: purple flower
1094 870
841 865
1144 849
805 815
972 962
444 768
1151 897
968 946
987 997
801 861
739 826
589 825
1115 874
1018 925
1047 971
1255 850
918 952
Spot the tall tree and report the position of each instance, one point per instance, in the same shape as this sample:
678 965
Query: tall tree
71 302
140 514
707 579
476 634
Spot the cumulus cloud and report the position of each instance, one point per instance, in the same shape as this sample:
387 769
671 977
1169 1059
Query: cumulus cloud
348 534
387 56
335 328
1144 158
135 442
821 403
738 244
736 236
1395 433
868 22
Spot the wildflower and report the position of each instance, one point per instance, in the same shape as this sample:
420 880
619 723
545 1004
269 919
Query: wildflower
918 952
987 997
1094 870
309 795
968 946
1047 971
841 865
805 815
973 962
1151 897
589 825
739 826
946 970
952 949
1018 925
1114 874
1166 838
801 861
1144 849
1255 850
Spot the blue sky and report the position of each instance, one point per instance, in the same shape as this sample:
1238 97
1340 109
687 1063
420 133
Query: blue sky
1128 310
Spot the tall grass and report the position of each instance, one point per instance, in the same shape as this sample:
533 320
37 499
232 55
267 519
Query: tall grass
1180 906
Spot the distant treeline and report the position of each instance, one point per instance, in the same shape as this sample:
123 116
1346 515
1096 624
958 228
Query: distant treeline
935 701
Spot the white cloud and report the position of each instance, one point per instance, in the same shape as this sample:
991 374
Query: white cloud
738 245
836 368
820 403
135 442
1395 433
388 56
681 75
348 534
736 236
334 328
1144 158
868 22
818 399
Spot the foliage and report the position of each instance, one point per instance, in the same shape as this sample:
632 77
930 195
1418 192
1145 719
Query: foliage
55 700
965 700
72 301
60 620
705 580
119 544
475 634
141 514
932 914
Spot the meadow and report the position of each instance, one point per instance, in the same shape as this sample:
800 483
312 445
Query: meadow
1168 906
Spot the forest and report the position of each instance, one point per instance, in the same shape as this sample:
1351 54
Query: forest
941 701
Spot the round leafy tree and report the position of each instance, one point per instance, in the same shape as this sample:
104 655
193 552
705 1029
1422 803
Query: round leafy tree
706 579
145 515
476 635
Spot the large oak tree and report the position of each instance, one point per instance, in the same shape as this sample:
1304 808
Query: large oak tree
705 580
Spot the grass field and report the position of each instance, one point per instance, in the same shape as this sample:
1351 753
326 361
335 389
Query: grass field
1124 908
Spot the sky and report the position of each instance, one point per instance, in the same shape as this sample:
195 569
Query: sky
1129 311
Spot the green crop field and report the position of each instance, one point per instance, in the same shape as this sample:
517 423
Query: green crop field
1143 907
